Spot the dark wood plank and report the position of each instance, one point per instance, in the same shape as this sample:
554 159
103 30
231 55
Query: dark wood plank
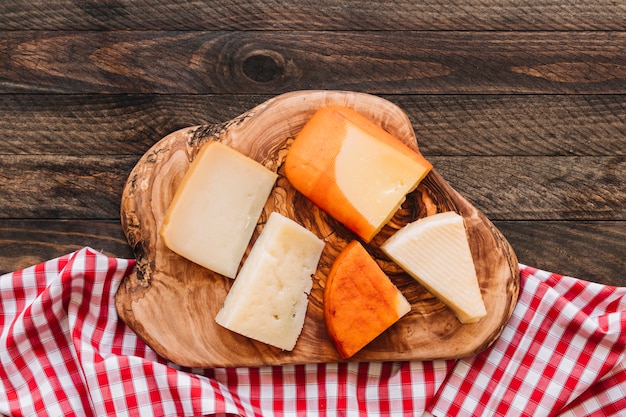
446 125
540 188
522 125
107 124
503 188
312 14
62 187
29 242
588 250
273 62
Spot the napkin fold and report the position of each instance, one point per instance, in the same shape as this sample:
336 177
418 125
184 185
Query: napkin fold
64 351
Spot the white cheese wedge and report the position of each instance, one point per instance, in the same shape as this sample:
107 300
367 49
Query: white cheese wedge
269 298
215 209
435 251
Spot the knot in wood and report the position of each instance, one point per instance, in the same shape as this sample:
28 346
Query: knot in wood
263 66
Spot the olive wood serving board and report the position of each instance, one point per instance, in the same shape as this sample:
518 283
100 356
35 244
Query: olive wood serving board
171 302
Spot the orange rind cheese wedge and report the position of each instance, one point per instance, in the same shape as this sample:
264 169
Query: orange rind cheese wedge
353 169
360 301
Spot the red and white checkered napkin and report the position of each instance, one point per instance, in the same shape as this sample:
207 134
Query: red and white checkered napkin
65 352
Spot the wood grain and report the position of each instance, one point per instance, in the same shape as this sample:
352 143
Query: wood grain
107 79
446 125
171 303
368 15
276 62
591 250
27 242
525 188
107 124
79 187
502 187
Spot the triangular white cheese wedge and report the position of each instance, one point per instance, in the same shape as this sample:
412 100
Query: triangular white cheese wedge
435 251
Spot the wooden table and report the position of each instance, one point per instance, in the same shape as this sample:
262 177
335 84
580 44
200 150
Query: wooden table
521 107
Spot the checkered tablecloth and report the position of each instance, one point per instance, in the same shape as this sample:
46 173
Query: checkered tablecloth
63 352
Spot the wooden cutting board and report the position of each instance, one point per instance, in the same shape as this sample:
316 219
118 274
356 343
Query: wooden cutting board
171 303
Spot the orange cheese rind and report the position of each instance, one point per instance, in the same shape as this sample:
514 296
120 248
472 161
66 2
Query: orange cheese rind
360 301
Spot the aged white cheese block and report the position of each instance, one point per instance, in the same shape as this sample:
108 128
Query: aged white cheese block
216 207
435 251
269 297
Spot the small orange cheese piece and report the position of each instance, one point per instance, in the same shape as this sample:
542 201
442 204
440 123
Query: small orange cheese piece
353 169
360 301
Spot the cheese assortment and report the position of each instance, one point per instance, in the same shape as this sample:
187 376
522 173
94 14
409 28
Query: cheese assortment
216 207
269 298
353 169
434 250
359 174
360 301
